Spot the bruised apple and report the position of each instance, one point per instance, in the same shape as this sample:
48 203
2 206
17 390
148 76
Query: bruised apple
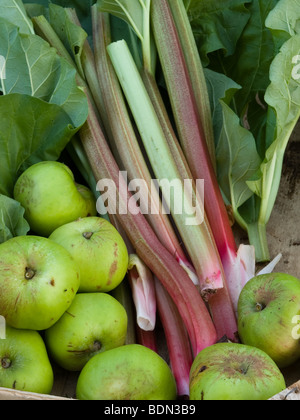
51 198
131 372
94 323
38 282
226 372
98 249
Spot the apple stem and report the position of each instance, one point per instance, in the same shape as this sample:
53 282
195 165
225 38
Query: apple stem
259 307
87 235
29 273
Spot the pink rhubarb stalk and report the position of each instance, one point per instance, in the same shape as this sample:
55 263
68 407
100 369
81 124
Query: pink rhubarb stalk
147 339
194 145
180 353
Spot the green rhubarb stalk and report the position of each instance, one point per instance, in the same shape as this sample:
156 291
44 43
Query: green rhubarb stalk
257 233
123 295
125 143
46 31
191 307
88 64
197 238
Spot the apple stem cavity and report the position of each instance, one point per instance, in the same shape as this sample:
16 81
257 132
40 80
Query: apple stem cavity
5 363
87 235
244 370
97 346
29 273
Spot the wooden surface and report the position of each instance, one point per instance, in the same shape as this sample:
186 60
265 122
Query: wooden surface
290 394
284 226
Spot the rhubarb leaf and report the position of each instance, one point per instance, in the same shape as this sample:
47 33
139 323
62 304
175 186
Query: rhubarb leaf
15 13
34 68
284 20
72 36
237 159
219 87
283 95
83 9
249 65
12 221
137 14
217 25
132 12
31 130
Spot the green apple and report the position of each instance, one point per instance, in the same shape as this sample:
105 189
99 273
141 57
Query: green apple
99 251
269 307
51 198
227 371
24 362
94 323
38 282
131 372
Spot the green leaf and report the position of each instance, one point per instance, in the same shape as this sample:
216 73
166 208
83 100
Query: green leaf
284 20
130 11
283 95
72 36
31 131
15 13
237 159
83 9
34 68
136 13
219 87
12 222
217 24
121 30
249 65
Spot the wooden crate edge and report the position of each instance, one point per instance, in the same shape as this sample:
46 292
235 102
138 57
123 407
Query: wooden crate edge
9 394
292 393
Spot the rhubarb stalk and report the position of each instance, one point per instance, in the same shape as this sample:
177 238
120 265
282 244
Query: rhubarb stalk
143 293
124 142
220 303
193 230
196 73
180 353
192 309
194 144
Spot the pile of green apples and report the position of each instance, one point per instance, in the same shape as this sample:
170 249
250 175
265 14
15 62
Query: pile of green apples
55 286
55 299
